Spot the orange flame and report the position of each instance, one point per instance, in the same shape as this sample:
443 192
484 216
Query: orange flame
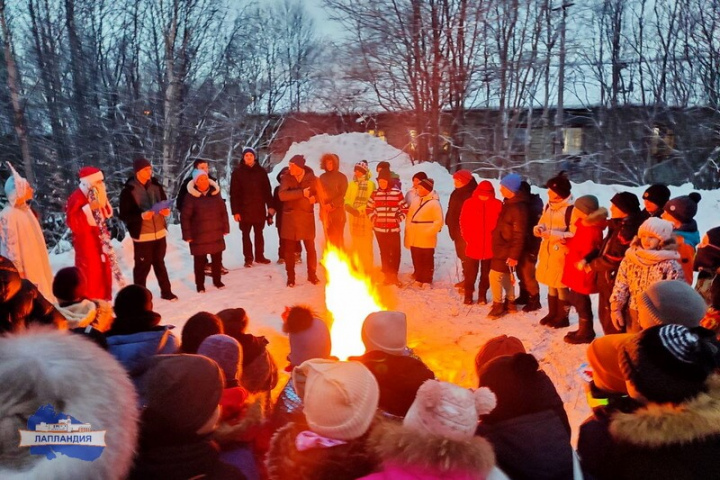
349 297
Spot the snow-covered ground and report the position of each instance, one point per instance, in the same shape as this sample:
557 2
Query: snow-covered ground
445 333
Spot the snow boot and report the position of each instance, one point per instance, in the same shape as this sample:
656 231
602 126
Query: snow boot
468 300
497 310
523 298
584 333
510 306
532 304
562 319
552 310
482 297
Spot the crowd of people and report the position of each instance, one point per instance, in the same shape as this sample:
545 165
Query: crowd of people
199 403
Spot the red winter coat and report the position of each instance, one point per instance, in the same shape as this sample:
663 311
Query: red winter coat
588 238
477 222
89 257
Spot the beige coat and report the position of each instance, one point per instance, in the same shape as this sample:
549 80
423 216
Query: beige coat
551 257
423 222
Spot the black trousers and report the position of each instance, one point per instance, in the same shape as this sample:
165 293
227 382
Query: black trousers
151 255
288 248
472 269
582 304
389 243
424 262
526 274
245 228
199 262
605 283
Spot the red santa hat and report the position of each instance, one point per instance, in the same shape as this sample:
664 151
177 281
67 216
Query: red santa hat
90 175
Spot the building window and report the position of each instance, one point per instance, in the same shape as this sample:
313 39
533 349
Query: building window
378 133
572 141
662 141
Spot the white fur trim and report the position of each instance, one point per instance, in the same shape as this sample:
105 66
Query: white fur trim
93 178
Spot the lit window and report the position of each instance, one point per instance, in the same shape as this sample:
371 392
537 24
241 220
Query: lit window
572 141
662 141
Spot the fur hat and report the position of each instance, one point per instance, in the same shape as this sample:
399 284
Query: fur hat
298 160
627 202
670 301
448 410
560 185
339 398
669 363
385 174
40 367
181 393
385 331
587 204
69 285
197 173
511 181
227 353
362 167
683 208
656 227
309 336
707 256
497 347
199 327
463 176
90 175
658 194
140 164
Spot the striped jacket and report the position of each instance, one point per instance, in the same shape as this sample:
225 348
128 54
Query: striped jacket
386 209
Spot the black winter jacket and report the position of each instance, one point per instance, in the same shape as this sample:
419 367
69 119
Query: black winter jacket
621 232
250 193
131 211
457 198
511 231
204 220
535 211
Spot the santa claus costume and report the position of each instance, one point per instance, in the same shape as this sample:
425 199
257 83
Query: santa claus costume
18 221
89 255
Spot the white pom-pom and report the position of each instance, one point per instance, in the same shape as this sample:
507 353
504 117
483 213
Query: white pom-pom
485 400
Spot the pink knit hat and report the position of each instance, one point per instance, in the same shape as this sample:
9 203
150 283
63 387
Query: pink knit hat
656 227
340 398
448 410
386 331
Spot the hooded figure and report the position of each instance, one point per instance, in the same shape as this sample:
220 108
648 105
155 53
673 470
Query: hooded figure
21 238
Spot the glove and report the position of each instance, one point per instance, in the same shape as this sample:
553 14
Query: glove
616 316
352 211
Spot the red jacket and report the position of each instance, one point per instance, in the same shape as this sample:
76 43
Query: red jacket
587 239
477 221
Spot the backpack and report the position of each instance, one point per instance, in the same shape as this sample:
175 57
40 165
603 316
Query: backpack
568 215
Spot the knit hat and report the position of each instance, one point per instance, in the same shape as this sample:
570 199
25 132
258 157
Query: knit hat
707 256
339 398
90 175
420 176
385 331
199 327
140 163
560 185
656 227
197 173
309 336
385 175
248 150
587 204
669 363
448 410
511 181
626 201
670 301
227 353
298 160
181 394
384 165
683 208
485 188
69 285
427 183
362 167
463 176
132 300
525 187
658 194
497 347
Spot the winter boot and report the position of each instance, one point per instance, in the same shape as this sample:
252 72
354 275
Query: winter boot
584 333
497 310
482 298
532 304
510 306
561 320
523 298
552 310
468 299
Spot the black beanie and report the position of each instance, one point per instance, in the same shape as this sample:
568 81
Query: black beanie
198 328
658 194
707 256
560 185
69 285
683 208
627 202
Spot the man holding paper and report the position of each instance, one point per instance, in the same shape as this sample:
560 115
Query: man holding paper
143 208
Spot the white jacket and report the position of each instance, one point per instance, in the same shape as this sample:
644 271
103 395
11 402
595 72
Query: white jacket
423 222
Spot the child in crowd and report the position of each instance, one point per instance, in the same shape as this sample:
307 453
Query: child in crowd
707 263
198 328
424 222
681 211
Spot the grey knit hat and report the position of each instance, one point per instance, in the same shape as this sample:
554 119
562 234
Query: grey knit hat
668 302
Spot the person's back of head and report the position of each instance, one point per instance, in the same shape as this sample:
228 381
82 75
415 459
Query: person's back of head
198 328
234 320
309 336
69 286
227 353
134 311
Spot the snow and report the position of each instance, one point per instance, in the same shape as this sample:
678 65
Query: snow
445 333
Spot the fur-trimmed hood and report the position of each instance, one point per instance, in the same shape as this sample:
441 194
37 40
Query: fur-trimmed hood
99 313
400 446
657 425
596 218
214 188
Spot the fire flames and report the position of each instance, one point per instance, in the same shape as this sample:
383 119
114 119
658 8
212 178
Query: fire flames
349 297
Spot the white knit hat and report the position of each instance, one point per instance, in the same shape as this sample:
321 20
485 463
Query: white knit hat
656 227
385 331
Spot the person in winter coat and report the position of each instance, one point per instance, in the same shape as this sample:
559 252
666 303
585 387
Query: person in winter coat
394 177
21 304
478 218
424 222
204 223
89 255
332 187
436 439
278 207
529 294
340 401
70 290
386 209
47 374
707 264
465 185
528 428
136 335
358 194
652 257
654 199
589 220
18 222
298 192
144 207
251 203
555 227
622 227
398 371
183 393
508 241
671 430
681 211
